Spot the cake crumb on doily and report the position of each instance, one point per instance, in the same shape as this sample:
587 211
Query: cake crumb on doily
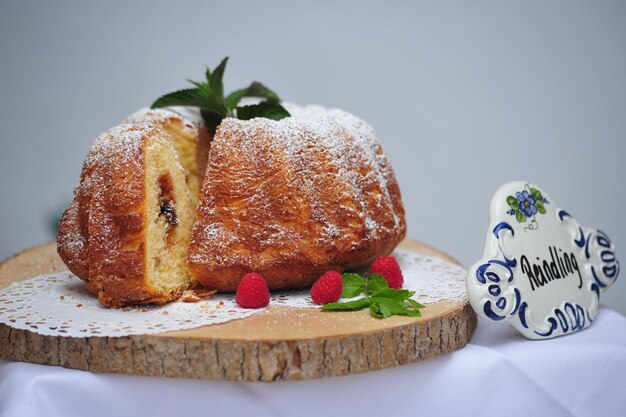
194 296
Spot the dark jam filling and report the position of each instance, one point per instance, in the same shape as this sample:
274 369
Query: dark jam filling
167 201
169 212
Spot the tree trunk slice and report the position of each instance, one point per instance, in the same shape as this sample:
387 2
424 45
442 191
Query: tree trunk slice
281 343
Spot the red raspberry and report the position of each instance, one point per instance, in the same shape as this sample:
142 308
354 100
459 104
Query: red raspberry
387 266
252 291
327 288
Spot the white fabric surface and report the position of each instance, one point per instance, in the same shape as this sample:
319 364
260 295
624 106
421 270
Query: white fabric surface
499 373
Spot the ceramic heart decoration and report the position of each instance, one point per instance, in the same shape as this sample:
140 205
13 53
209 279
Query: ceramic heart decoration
540 270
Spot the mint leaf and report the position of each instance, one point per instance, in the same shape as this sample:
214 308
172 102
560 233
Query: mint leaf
203 88
256 89
382 301
375 282
382 308
216 83
409 312
415 303
235 97
211 119
393 294
209 97
186 97
212 104
359 304
266 109
353 285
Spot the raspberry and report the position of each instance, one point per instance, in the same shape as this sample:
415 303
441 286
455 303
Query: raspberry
327 288
252 291
387 266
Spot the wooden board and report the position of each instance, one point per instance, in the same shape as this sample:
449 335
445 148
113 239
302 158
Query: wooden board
278 344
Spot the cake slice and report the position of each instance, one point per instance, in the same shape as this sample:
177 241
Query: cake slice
128 229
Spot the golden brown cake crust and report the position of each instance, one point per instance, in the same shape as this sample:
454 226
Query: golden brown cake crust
293 199
102 232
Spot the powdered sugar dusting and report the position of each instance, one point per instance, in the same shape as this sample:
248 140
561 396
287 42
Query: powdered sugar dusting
160 117
116 146
113 151
112 177
316 187
363 149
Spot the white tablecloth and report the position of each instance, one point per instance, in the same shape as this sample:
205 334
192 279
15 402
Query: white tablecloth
499 373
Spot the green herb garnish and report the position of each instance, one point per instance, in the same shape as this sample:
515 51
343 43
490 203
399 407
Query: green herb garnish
353 285
382 301
209 97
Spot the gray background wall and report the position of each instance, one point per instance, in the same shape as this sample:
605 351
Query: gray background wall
464 96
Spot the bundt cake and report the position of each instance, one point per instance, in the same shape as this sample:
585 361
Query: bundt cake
290 199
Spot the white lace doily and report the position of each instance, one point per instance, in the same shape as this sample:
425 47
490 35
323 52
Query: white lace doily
58 304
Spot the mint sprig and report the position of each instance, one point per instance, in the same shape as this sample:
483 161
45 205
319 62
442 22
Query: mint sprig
214 106
353 285
381 300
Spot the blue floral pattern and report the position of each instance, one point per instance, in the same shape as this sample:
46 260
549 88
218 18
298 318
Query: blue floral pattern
525 205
